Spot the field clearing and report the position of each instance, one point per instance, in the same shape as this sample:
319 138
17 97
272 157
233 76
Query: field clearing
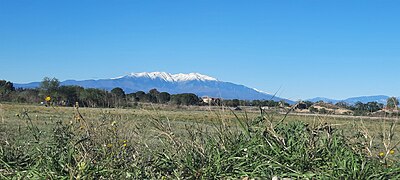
11 115
13 119
150 128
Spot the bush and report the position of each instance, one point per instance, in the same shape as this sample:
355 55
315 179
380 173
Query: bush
323 111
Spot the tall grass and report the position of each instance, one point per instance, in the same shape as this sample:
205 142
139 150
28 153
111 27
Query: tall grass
263 147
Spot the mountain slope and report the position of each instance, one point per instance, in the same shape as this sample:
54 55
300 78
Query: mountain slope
364 99
196 83
334 101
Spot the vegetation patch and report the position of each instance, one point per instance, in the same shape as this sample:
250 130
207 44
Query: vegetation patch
105 147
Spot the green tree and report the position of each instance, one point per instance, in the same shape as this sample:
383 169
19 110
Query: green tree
164 97
308 104
118 92
360 106
153 95
185 99
342 104
374 106
392 103
175 99
236 102
323 111
132 97
141 96
6 87
254 103
92 97
360 109
154 92
313 109
27 96
118 95
70 94
270 103
49 87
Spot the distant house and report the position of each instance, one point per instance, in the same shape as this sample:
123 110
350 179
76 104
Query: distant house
211 100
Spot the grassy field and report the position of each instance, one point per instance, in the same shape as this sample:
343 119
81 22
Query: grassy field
162 142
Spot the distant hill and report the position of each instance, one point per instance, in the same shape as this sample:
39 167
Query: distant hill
196 83
333 101
364 99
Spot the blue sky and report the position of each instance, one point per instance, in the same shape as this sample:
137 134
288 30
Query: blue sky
304 49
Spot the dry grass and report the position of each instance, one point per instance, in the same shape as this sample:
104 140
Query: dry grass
164 135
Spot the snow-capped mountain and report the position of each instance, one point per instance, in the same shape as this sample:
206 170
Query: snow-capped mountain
170 77
196 83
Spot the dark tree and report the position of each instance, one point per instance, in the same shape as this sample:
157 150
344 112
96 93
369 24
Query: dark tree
49 87
164 97
255 103
308 104
360 106
373 106
342 104
313 109
95 98
235 102
132 97
154 92
6 87
323 111
118 96
392 103
153 95
185 99
118 92
27 96
141 96
70 94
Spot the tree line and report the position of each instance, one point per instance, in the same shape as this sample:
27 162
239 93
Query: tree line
69 95
358 108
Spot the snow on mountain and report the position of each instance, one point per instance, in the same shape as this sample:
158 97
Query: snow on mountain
152 75
199 84
170 77
260 91
192 76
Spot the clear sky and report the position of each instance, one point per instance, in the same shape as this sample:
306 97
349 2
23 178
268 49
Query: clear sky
300 49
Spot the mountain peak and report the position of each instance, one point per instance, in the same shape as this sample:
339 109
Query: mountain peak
199 84
170 77
192 76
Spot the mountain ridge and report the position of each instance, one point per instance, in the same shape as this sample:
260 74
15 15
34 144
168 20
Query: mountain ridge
196 83
199 84
169 77
352 100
